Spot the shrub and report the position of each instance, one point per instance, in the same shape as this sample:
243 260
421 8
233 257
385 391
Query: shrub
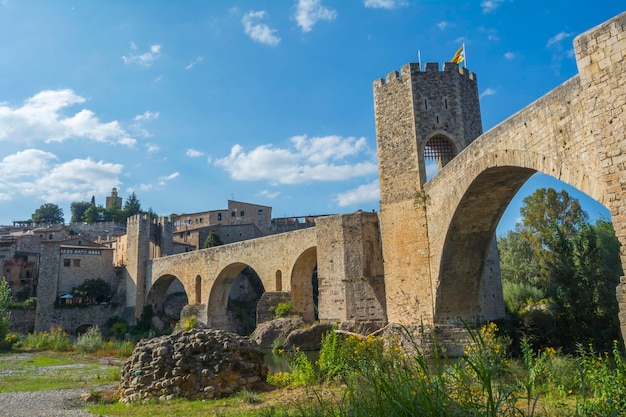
188 323
55 339
5 312
90 341
283 309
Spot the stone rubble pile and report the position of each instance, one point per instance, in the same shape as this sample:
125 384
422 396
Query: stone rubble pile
195 364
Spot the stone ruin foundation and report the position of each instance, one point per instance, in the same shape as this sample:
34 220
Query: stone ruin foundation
195 364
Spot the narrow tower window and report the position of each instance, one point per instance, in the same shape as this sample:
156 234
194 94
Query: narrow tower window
425 104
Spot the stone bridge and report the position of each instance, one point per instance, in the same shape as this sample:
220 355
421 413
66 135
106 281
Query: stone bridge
437 236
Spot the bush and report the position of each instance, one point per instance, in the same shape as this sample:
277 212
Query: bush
188 323
282 309
90 341
55 339
5 312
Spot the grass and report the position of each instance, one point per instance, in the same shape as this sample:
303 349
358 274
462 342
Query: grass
367 376
43 371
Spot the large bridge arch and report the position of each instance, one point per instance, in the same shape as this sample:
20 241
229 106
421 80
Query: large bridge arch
167 296
217 305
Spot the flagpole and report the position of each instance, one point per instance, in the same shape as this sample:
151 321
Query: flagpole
419 59
464 56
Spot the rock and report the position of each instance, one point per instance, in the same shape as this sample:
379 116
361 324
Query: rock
265 333
195 364
309 338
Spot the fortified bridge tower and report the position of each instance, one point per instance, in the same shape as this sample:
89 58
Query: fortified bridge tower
424 118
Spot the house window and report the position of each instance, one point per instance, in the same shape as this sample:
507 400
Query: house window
233 214
260 212
242 213
260 222
66 262
219 216
50 237
76 262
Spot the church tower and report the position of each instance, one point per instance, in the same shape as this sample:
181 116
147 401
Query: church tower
423 120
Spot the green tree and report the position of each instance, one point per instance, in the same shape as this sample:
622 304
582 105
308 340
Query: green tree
132 205
5 312
96 290
48 214
78 208
518 263
212 239
91 215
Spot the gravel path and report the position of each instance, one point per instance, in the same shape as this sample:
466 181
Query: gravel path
57 403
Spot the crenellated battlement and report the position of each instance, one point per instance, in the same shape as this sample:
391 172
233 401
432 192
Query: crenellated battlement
413 69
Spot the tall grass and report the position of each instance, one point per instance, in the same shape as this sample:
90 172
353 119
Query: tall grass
381 379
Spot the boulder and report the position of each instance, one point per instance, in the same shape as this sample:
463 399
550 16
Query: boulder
265 333
308 338
195 364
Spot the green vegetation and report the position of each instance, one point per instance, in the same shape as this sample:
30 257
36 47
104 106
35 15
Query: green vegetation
5 313
212 240
559 274
283 309
48 213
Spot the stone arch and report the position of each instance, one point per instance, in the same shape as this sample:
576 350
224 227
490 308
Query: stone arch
278 284
471 229
437 150
304 284
167 297
218 304
198 289
82 328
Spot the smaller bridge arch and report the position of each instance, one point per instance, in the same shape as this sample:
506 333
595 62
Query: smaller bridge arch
303 288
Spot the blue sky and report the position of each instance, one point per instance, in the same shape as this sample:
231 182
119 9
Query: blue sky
191 103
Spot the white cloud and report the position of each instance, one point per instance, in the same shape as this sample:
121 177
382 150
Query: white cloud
365 193
329 158
442 25
558 38
509 55
490 5
385 4
146 59
192 153
194 62
148 115
309 12
488 92
40 119
152 148
268 194
164 179
259 32
33 173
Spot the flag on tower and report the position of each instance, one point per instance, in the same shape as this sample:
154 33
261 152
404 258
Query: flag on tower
459 56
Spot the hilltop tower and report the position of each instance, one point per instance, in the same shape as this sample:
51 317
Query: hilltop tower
423 120
113 201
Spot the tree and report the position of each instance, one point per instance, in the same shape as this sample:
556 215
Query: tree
212 239
5 312
78 208
91 215
96 290
48 214
579 268
132 205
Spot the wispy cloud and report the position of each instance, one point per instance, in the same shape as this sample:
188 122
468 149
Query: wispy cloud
509 55
328 158
259 32
309 12
556 39
167 178
268 194
37 174
443 24
192 153
194 62
365 193
147 115
40 118
490 5
488 92
152 148
385 4
145 59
